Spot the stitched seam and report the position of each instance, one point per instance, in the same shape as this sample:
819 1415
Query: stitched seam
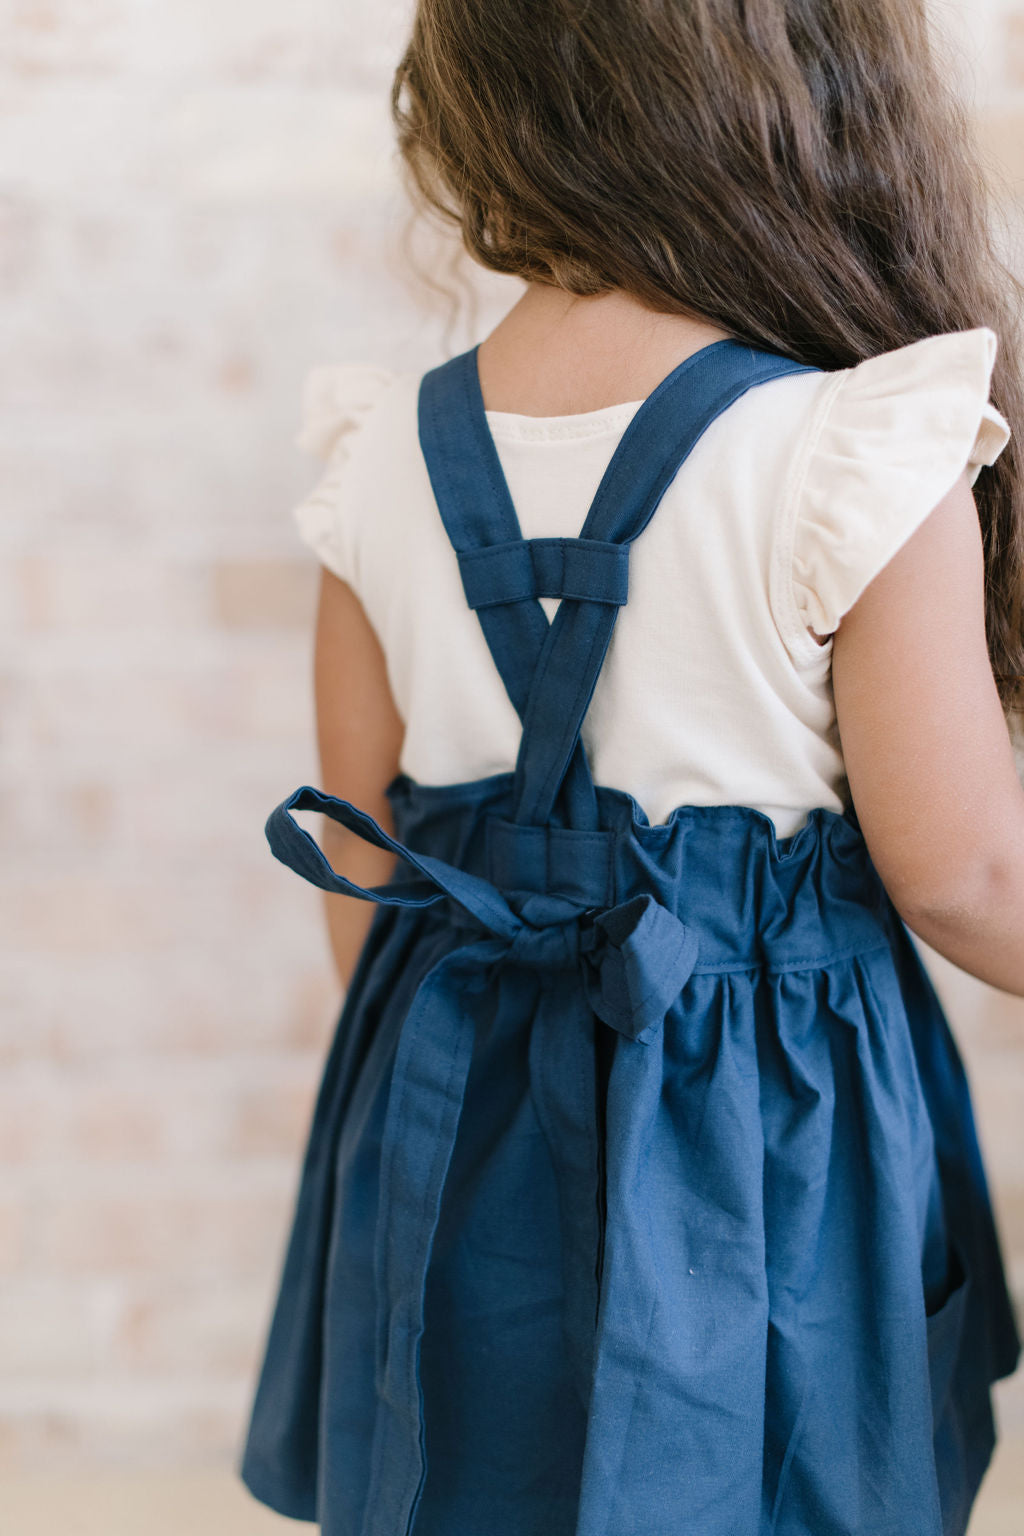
519 696
647 1339
723 399
799 962
499 486
781 595
567 744
632 443
382 1449
549 429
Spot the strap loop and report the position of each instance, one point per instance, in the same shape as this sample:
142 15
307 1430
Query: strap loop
550 670
590 570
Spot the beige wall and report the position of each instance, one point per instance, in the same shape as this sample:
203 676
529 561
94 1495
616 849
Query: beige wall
197 203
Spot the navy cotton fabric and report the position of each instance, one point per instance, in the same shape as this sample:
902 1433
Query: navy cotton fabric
642 1193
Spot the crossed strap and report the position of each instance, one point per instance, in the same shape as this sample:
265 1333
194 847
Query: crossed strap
624 962
550 670
586 570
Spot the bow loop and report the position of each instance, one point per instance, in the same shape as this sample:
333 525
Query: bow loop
636 958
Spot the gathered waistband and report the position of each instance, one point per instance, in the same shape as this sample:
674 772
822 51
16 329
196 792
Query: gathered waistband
756 900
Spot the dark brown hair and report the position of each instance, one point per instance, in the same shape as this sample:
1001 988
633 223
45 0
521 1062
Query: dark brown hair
798 172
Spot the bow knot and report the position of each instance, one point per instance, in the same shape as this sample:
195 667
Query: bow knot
634 958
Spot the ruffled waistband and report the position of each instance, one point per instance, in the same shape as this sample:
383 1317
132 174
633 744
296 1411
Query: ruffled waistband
754 899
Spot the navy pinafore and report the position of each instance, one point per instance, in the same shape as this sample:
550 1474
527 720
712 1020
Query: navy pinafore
642 1195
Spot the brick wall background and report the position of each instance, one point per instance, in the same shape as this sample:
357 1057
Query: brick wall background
198 203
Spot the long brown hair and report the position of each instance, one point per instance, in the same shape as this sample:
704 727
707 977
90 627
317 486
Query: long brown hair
798 172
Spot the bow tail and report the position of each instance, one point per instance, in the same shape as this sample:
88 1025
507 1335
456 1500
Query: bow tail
421 1120
566 1084
618 1429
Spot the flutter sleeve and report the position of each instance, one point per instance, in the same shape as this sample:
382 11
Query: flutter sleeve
892 438
337 399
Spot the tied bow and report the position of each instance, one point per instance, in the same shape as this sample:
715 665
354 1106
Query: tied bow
634 958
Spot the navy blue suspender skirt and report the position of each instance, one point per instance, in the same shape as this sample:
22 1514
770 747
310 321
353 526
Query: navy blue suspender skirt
642 1195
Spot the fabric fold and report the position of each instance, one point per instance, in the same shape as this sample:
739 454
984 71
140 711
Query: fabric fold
896 433
673 1275
336 401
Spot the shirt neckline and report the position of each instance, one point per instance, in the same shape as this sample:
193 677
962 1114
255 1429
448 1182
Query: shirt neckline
512 426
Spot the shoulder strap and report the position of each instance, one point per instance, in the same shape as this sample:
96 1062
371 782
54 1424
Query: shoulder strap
550 671
476 508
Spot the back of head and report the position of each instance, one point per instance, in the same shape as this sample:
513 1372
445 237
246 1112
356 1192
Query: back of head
798 172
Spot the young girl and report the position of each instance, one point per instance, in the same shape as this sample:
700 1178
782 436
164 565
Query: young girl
662 666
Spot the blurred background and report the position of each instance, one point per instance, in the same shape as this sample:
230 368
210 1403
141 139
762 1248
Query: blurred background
198 203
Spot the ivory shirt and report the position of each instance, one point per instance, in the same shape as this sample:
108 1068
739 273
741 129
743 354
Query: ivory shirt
713 690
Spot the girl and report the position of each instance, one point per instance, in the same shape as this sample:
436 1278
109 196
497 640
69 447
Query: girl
662 667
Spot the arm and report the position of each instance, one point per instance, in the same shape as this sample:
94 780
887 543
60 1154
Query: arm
928 753
359 735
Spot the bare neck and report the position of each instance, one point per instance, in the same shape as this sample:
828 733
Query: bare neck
559 354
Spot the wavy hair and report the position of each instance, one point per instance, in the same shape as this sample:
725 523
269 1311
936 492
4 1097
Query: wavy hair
801 173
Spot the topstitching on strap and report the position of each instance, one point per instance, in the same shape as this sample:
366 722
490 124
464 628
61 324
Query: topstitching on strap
656 443
550 671
591 570
476 508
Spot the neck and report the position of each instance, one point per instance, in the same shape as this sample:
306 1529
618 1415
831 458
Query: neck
557 353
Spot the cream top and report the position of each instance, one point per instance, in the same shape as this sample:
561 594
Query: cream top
713 691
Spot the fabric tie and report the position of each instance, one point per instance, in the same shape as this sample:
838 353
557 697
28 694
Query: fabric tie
633 959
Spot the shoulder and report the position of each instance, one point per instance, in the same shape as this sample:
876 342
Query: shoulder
884 442
931 392
339 399
359 421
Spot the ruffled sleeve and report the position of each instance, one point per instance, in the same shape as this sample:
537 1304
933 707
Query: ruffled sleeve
336 401
892 436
